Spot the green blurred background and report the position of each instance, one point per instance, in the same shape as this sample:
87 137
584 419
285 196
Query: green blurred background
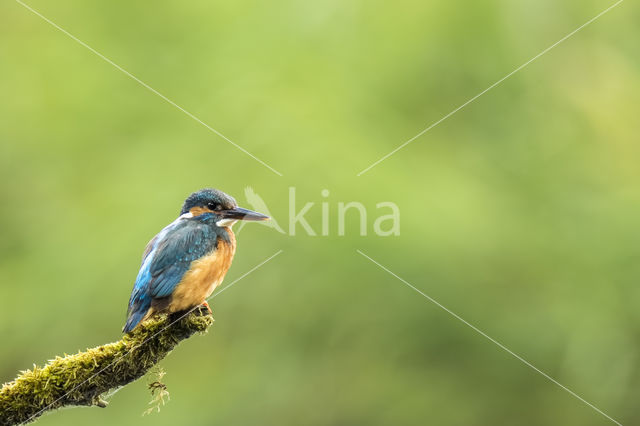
519 213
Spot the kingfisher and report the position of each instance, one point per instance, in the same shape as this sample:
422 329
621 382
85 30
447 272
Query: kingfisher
188 259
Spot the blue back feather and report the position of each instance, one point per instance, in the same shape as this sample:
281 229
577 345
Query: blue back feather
167 258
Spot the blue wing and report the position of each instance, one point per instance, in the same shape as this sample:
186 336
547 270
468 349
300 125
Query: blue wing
167 258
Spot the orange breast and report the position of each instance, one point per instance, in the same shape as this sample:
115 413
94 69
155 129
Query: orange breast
204 276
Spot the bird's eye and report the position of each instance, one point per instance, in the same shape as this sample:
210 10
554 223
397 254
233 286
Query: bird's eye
213 206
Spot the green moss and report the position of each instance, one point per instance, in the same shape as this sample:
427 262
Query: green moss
159 392
80 379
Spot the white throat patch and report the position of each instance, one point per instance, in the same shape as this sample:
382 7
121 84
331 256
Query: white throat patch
226 223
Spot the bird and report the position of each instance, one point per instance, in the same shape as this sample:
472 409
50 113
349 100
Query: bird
256 202
188 259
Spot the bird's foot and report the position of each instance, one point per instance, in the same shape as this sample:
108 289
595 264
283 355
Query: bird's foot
206 305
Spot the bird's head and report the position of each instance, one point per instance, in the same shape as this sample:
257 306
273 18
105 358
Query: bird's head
222 206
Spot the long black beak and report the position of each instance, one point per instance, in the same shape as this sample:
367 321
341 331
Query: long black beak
239 213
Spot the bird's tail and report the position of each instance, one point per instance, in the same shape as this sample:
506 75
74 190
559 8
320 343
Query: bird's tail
134 318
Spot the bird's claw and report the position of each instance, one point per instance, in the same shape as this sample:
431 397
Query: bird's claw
207 307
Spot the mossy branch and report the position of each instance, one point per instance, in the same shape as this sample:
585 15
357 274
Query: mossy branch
82 378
